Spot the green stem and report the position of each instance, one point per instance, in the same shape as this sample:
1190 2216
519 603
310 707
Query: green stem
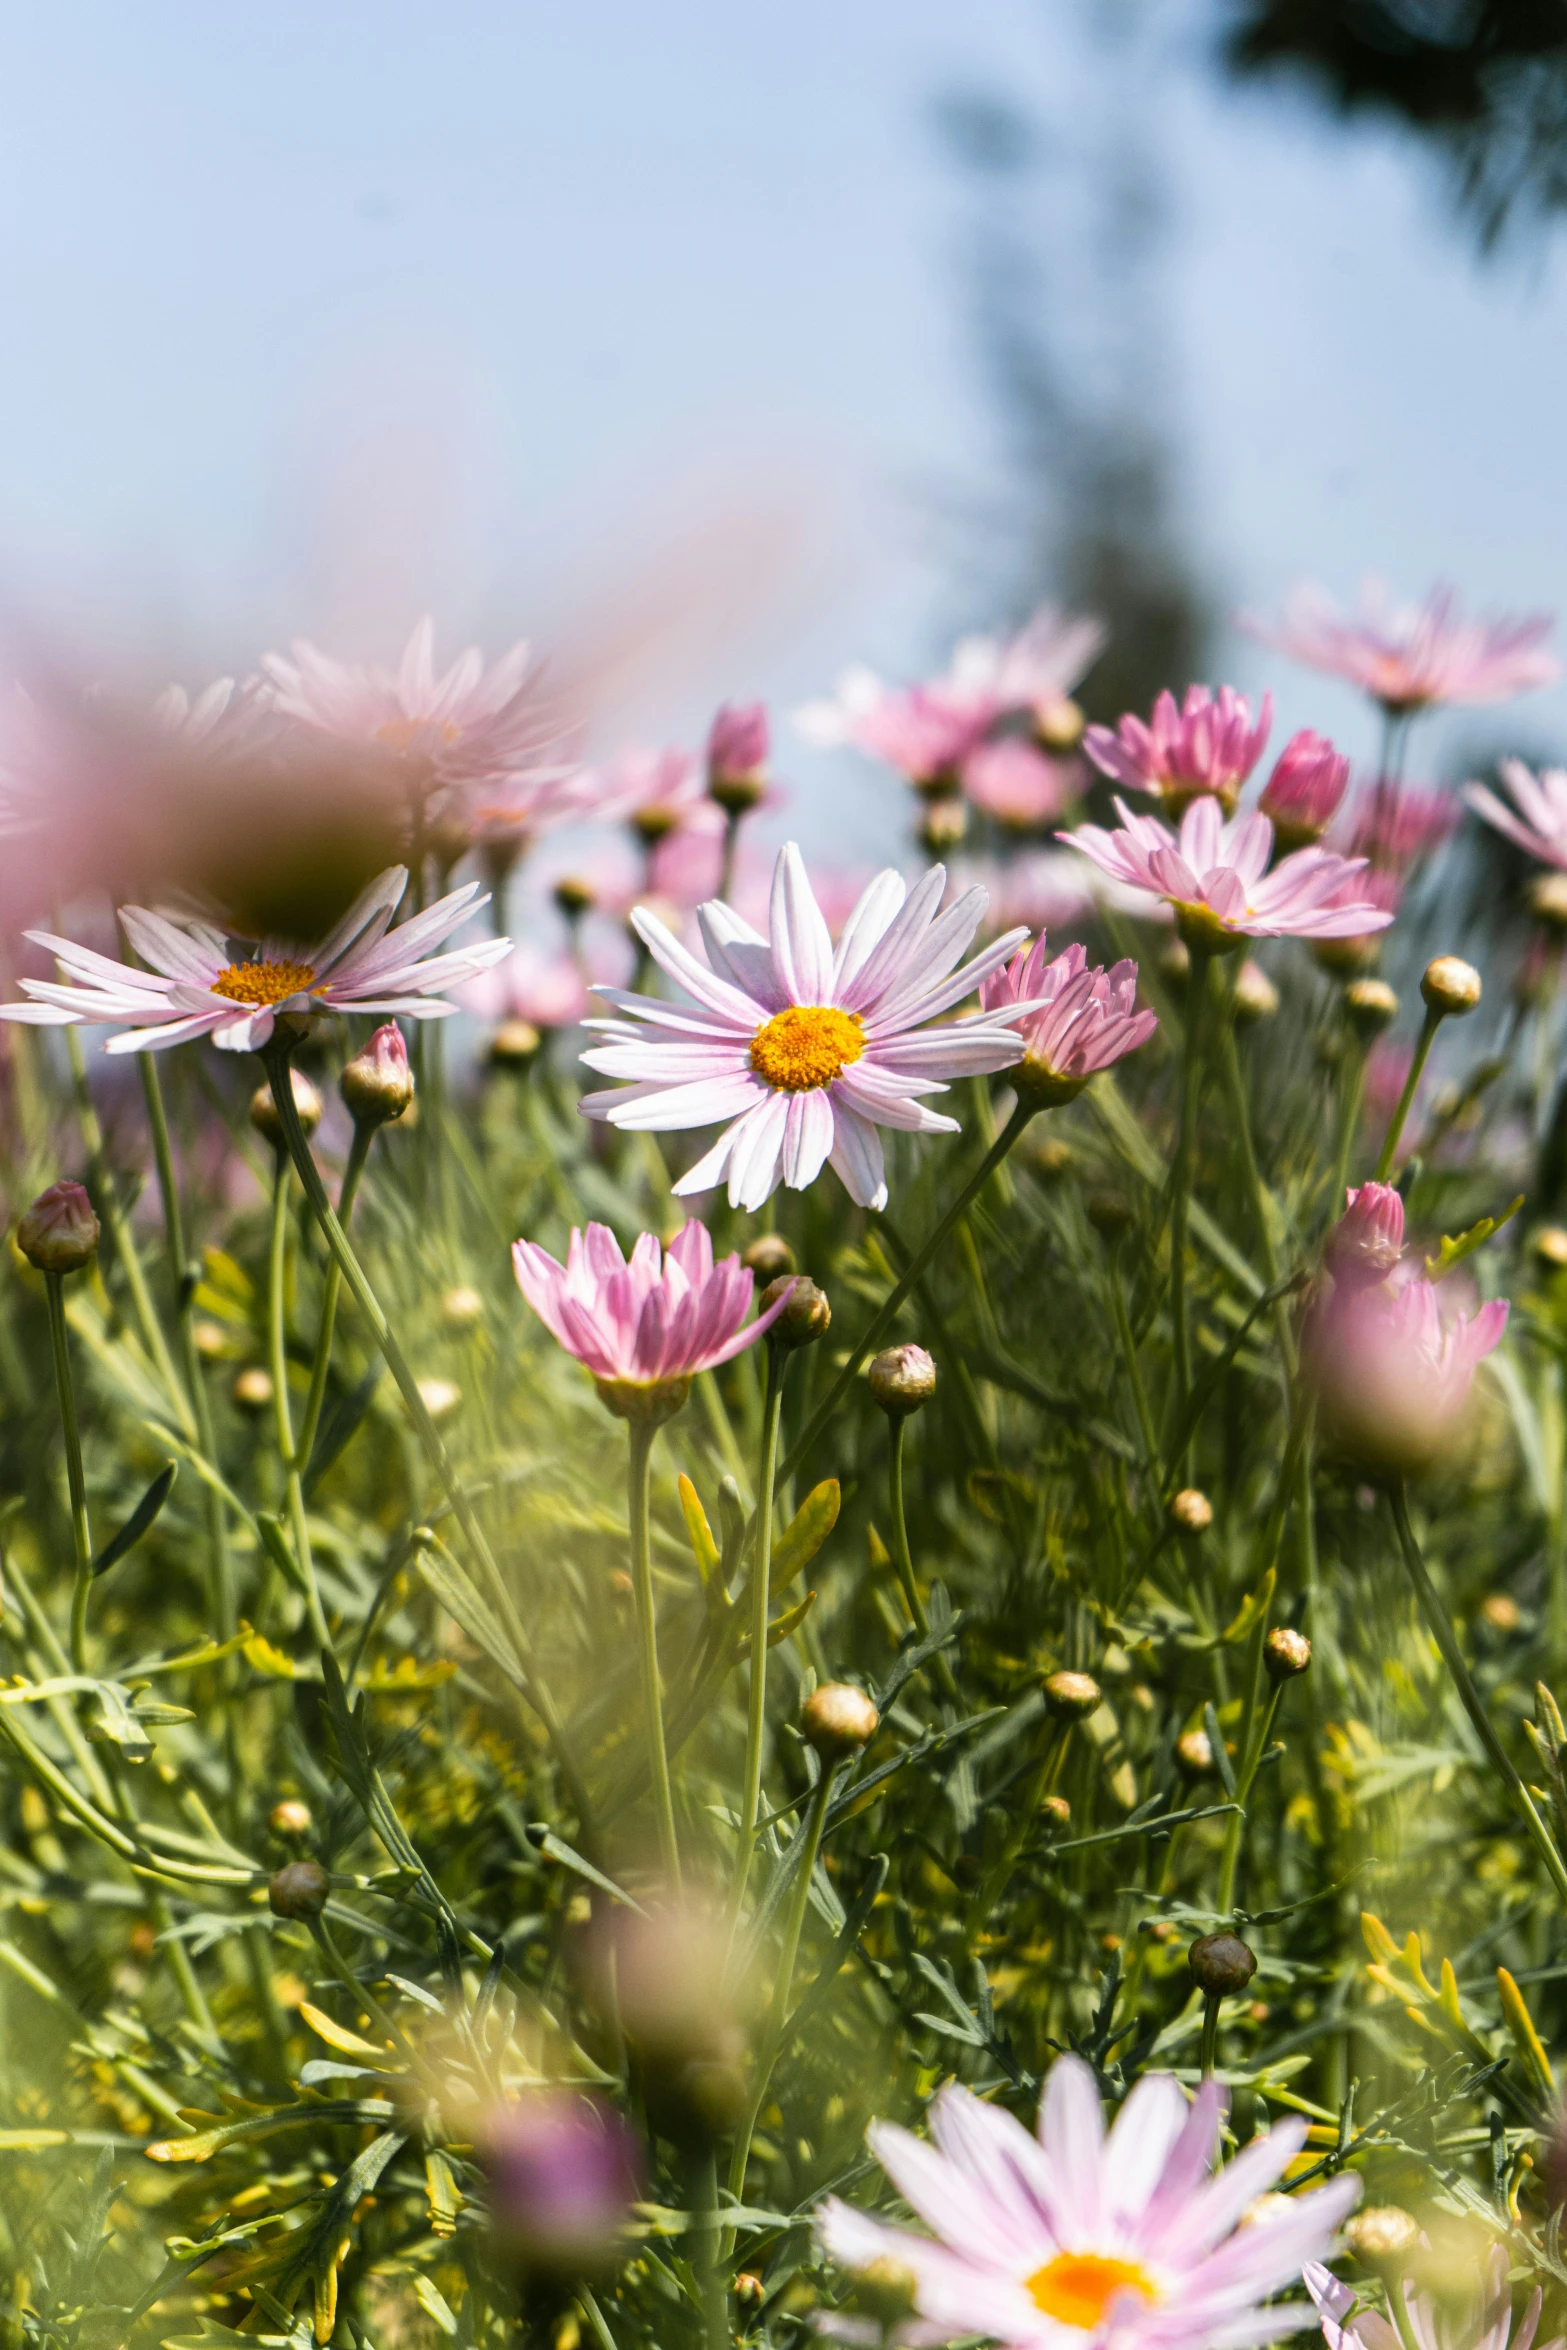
761 1577
282 1416
1185 1167
1210 2033
1442 1633
81 1535
882 1319
903 1557
709 2262
641 1433
1256 1721
1351 1097
1428 1028
331 1287
1128 1345
999 1875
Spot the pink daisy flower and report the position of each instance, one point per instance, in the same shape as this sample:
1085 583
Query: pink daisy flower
1540 825
1019 786
200 982
804 1050
1409 656
1397 825
459 725
1032 672
925 732
548 991
1216 877
1078 2238
644 1328
1087 1018
1207 745
656 792
1304 793
1348 2325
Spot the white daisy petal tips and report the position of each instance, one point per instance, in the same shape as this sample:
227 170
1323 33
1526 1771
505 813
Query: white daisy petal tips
197 982
802 1051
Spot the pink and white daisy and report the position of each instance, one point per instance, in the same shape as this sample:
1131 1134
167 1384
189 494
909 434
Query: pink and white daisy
1082 2239
644 1328
1216 877
804 1050
1019 786
1087 1019
1206 745
656 792
1540 825
1487 2325
548 991
1032 672
458 725
925 732
1409 656
200 982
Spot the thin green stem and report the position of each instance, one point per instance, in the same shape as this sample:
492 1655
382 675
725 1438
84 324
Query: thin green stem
639 1483
903 1557
282 1415
761 1577
885 1314
709 2261
999 1875
1256 1721
1442 1633
331 1287
1210 2033
1352 1094
1185 1169
1128 1345
1389 1151
81 1535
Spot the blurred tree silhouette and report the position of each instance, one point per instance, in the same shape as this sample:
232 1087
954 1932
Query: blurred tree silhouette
1484 81
1061 272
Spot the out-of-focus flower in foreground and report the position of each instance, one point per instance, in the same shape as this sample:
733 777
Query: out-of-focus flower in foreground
1019 786
1207 744
456 725
1368 1239
1539 825
200 982
564 2171
1409 656
1216 877
1305 791
1087 1019
803 1049
644 1328
1347 2324
1075 2237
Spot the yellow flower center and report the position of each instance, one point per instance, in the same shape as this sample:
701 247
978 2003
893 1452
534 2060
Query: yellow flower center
1076 2288
262 983
806 1045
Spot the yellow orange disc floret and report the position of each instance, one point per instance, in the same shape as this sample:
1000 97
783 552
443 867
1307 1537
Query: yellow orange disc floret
263 983
806 1045
1076 2288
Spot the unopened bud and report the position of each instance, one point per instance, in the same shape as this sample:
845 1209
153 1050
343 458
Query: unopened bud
1057 1811
1051 1157
769 1257
1501 1611
1285 1653
514 1044
749 2289
1071 1697
1550 1247
1221 1964
1110 1212
1175 964
1370 1006
901 1378
886 2290
59 1232
440 1397
1385 2235
1450 986
943 824
290 1817
212 1340
574 896
1058 725
461 1308
1256 997
1548 900
1194 1753
299 1890
1264 2209
263 1109
737 746
805 1318
252 1389
377 1085
1189 1511
837 1720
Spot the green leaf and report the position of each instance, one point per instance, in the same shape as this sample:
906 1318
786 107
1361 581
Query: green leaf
276 1545
139 1520
1452 1252
466 1607
340 1423
704 1548
805 1533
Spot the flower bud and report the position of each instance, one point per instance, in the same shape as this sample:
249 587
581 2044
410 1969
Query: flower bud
1264 2209
1071 1697
1382 2235
252 1389
290 1817
212 1340
1051 1158
1548 900
1058 724
1550 1247
804 1319
1450 986
1305 790
263 1109
943 825
59 1232
837 1720
749 2289
564 2171
440 1397
1110 1213
769 1257
1370 1006
737 746
1189 1511
299 1890
574 897
901 1378
514 1044
461 1308
1501 1611
1221 1964
1368 1239
1057 1811
886 2291
1194 1753
1175 964
1256 997
377 1085
1285 1653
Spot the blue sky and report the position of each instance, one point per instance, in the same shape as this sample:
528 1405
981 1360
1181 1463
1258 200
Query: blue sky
320 317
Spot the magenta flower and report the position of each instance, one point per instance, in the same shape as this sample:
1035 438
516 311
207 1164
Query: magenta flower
1392 1377
1087 1021
1408 657
1216 877
1018 785
644 1328
564 2171
1305 790
1208 745
737 745
1540 825
1368 1239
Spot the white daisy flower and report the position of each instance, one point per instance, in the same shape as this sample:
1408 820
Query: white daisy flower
197 982
804 1051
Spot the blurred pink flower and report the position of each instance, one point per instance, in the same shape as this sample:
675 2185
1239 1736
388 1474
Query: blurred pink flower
1540 825
1019 786
1391 1375
737 745
1032 672
509 812
1216 877
1207 745
466 723
1387 1068
644 1328
1043 889
1368 1239
1349 2324
564 2170
656 792
546 991
925 732
1303 794
1410 656
1397 825
1087 1021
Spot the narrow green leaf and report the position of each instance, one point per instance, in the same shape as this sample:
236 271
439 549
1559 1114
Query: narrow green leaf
137 1523
805 1533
